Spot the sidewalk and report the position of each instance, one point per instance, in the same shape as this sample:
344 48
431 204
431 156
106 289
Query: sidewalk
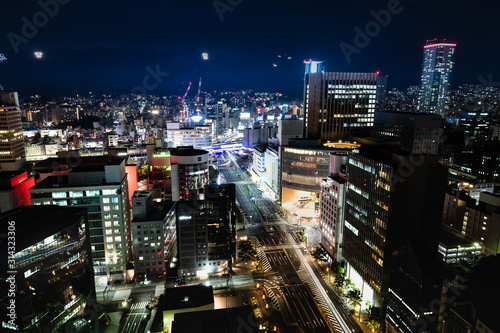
329 278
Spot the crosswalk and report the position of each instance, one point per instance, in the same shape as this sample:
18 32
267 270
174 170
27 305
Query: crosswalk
262 255
141 305
306 278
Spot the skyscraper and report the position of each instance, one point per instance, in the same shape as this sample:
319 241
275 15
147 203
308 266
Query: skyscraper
391 197
11 132
435 85
338 105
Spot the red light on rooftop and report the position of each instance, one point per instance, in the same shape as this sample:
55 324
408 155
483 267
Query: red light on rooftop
378 72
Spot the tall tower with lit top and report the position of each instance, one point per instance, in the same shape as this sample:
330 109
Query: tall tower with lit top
435 84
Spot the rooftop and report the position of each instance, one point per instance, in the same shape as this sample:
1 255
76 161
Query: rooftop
29 219
451 238
188 297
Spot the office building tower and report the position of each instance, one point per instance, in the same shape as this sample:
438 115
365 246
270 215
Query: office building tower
381 87
54 281
100 185
418 133
12 153
391 197
206 232
332 203
338 106
189 173
417 277
435 82
153 234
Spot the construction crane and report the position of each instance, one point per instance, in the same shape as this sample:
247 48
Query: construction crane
184 109
198 109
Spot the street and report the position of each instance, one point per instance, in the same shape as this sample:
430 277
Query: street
289 275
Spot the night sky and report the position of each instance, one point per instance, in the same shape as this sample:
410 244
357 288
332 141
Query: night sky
106 45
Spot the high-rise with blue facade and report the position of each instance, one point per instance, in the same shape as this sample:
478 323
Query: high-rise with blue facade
435 84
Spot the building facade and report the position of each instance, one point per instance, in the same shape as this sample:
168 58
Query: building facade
54 280
103 191
385 205
11 132
153 235
435 81
338 106
206 232
418 133
189 173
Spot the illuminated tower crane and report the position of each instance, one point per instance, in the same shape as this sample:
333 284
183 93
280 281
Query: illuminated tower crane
184 108
198 109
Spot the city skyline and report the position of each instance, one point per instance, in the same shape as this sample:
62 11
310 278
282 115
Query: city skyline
243 43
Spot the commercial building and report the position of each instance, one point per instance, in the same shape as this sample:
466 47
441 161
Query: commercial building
153 234
190 169
418 133
331 221
53 270
304 165
206 232
435 81
200 137
482 160
391 197
416 281
12 155
338 106
100 185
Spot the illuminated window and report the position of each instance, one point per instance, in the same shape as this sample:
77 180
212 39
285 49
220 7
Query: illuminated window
75 194
93 193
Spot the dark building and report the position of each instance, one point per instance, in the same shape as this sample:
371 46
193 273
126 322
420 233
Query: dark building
418 133
231 320
53 269
417 277
206 232
482 160
391 197
338 106
471 305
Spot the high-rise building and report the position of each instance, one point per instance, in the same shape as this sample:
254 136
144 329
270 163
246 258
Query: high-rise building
206 232
100 185
391 197
435 84
152 224
338 106
416 281
418 133
332 202
52 272
11 132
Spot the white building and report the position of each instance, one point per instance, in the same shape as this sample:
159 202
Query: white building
103 191
200 137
